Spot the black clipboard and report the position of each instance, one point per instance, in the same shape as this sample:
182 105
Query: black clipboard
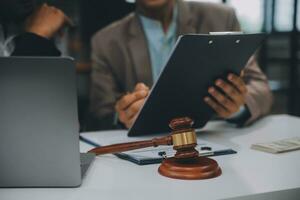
195 63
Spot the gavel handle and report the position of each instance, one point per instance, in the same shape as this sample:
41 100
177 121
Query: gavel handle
117 148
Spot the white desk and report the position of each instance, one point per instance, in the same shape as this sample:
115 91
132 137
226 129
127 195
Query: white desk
247 175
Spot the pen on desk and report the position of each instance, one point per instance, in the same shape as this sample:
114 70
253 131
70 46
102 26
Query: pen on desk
206 148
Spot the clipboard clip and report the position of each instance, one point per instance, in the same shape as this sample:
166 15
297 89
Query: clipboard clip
210 42
227 33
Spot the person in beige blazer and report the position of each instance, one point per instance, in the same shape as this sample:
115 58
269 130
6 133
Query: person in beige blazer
122 72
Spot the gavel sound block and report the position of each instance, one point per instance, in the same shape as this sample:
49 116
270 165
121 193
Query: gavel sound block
186 164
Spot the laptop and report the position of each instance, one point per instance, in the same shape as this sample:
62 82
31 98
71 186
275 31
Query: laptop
39 127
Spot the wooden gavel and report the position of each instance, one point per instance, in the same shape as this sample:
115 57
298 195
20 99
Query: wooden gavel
182 138
117 148
186 164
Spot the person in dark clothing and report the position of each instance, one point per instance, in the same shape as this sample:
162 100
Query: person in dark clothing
40 24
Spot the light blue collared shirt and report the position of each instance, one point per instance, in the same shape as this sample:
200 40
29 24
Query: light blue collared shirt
160 44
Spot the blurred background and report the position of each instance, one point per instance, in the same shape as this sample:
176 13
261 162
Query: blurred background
279 57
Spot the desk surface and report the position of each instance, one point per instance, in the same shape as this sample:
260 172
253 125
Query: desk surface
249 173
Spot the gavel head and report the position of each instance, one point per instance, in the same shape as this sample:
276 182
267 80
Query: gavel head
187 164
184 138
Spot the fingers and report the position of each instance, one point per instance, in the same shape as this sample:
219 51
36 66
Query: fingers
61 15
129 105
228 97
235 95
134 108
129 123
47 21
242 73
122 116
128 99
221 111
67 20
141 86
223 100
238 83
128 115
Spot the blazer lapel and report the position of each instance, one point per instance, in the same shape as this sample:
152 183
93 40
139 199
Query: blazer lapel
139 52
186 24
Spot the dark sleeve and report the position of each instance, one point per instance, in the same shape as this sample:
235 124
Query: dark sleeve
30 44
240 118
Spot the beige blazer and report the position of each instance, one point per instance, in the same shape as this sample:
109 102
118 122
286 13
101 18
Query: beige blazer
121 59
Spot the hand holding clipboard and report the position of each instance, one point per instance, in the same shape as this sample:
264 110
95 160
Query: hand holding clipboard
197 63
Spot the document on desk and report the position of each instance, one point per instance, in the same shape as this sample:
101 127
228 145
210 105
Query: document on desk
150 155
280 146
